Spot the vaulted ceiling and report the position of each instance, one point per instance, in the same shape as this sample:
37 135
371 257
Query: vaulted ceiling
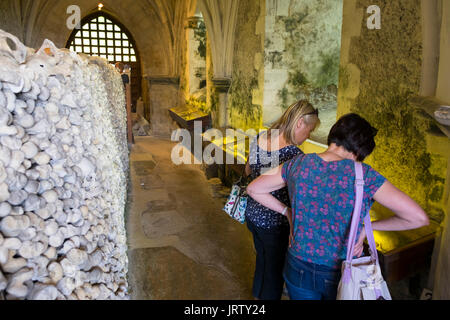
157 26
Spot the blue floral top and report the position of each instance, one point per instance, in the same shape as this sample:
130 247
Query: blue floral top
261 160
323 195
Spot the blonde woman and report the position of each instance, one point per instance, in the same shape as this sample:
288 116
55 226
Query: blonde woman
270 230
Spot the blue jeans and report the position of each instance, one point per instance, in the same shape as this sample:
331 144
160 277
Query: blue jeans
309 281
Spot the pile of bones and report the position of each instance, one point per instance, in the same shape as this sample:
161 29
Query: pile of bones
63 175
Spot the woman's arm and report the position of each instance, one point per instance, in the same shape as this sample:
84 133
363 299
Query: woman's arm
408 214
248 169
261 188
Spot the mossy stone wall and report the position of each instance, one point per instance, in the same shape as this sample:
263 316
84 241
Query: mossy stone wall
245 112
302 57
386 65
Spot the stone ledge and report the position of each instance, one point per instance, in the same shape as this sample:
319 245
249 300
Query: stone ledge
430 105
163 80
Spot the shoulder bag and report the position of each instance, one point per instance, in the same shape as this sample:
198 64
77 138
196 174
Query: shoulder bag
361 278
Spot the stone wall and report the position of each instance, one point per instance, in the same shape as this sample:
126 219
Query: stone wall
245 104
302 54
6 23
441 279
164 94
381 71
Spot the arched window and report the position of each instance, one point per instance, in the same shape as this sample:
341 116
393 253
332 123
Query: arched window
104 36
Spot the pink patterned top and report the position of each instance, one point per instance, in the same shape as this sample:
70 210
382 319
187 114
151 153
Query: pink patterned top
322 196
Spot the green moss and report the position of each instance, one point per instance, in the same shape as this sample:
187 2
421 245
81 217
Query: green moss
329 70
214 101
275 58
297 79
390 64
344 78
246 114
401 147
437 192
284 94
198 104
200 36
291 23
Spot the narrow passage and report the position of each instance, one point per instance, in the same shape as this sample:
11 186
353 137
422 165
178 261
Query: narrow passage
181 245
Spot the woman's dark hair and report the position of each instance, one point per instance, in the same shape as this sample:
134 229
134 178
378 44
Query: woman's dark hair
355 134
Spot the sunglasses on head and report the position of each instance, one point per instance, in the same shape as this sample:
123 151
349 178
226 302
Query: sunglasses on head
314 113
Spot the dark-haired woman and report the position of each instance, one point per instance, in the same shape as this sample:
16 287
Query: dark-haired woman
321 187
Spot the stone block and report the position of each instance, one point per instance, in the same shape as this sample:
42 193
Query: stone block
271 98
275 79
275 42
271 114
270 24
283 8
438 144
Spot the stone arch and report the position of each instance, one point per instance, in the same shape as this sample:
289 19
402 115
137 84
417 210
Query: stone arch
140 18
220 19
155 25
136 73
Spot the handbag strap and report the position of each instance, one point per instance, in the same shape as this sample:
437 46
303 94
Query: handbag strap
245 166
359 186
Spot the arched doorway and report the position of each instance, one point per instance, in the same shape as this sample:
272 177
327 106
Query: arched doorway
103 35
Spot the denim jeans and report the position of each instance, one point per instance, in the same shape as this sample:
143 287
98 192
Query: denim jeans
309 281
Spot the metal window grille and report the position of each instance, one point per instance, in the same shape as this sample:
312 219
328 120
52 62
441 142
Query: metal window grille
102 37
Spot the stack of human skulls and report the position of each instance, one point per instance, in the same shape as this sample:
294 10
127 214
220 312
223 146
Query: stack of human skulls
63 175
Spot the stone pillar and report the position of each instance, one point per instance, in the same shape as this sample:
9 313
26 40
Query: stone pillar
221 117
164 94
196 65
441 290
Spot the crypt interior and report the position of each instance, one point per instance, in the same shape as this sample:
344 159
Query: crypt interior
231 64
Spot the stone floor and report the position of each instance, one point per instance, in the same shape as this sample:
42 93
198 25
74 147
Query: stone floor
182 246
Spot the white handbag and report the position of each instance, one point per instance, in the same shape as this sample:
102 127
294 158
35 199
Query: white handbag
361 278
236 204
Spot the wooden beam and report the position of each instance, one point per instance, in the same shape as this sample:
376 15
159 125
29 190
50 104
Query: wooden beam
129 120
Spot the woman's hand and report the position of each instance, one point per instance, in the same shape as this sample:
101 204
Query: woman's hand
359 247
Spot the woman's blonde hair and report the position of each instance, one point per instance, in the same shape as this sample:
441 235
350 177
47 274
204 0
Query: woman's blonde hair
288 122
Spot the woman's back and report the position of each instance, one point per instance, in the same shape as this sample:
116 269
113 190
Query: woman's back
261 160
322 197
